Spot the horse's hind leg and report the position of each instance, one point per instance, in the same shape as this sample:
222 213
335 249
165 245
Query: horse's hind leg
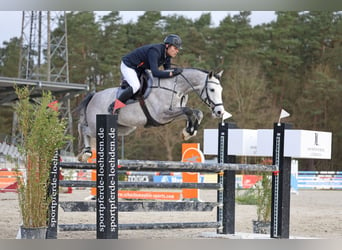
86 153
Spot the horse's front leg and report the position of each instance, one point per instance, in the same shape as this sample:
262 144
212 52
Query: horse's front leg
194 118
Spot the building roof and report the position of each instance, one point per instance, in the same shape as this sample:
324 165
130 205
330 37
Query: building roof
8 95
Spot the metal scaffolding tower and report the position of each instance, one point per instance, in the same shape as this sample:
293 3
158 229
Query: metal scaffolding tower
44 54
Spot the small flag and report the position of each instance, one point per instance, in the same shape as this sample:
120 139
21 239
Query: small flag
118 105
225 116
53 105
283 114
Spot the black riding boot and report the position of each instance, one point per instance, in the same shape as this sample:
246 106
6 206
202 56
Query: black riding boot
123 97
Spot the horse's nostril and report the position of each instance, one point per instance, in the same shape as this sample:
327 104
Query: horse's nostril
219 112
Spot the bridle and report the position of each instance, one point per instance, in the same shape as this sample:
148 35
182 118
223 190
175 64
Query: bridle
207 100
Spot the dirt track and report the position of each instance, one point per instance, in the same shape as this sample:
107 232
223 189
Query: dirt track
316 214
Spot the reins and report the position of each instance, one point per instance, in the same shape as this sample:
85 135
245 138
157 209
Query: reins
205 100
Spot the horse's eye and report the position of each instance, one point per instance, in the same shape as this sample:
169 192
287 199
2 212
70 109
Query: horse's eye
212 90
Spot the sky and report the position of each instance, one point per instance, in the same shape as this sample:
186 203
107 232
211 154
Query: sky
10 21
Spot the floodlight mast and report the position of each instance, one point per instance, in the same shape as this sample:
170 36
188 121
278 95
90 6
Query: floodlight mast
38 51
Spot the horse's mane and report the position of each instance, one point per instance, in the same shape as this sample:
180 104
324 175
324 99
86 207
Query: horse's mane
205 71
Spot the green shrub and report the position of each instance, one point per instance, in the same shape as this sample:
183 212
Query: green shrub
246 197
259 195
42 133
264 198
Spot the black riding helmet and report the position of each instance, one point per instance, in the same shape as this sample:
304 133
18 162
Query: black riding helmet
173 40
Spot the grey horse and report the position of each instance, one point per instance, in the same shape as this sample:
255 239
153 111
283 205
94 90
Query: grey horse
164 101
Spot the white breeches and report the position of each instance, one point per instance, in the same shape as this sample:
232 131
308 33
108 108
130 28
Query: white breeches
130 76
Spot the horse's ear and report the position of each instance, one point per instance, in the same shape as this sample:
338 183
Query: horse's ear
219 74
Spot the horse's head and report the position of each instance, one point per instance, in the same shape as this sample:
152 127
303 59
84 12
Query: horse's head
212 94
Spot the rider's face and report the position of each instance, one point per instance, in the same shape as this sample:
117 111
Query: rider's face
172 50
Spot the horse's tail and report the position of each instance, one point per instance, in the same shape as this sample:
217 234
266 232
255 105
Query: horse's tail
81 109
84 103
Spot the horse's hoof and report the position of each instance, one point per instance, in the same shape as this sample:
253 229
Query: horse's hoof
87 150
85 157
85 154
185 135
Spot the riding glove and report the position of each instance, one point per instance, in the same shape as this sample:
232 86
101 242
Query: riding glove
177 71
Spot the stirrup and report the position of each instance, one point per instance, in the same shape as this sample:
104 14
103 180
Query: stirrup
111 107
117 104
112 111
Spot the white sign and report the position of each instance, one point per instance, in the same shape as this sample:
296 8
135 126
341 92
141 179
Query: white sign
306 144
265 142
210 141
240 142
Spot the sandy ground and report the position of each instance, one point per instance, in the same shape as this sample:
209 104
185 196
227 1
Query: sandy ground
314 214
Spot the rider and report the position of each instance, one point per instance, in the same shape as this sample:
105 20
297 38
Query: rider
151 57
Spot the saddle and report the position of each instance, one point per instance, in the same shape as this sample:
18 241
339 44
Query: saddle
146 81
